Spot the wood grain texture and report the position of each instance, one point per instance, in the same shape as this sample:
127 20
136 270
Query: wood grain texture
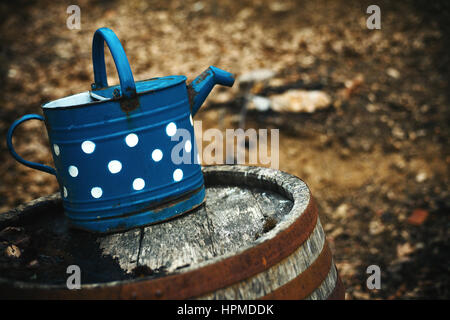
177 244
123 247
234 218
230 219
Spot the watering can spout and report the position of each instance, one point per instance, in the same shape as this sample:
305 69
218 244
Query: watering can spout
200 88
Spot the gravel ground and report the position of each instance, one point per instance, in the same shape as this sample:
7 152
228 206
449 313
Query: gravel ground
376 159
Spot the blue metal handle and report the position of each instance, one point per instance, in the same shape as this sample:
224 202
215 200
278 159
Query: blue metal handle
9 136
127 84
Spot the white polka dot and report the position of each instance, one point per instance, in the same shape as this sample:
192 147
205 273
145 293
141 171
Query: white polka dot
171 129
96 192
88 147
157 155
190 119
65 192
56 149
188 146
114 166
132 140
178 175
138 184
73 171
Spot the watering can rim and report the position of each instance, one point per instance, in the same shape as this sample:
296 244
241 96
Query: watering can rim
95 95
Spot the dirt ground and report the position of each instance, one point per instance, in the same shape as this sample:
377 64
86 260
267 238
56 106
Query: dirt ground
376 160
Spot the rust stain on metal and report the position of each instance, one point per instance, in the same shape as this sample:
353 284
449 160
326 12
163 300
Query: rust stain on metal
190 88
202 76
128 105
191 96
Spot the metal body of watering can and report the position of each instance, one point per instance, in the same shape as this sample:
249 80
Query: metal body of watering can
125 155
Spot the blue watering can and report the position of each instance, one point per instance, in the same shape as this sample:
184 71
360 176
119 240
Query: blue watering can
113 146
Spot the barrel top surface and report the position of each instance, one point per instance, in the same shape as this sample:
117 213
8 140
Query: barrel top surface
245 207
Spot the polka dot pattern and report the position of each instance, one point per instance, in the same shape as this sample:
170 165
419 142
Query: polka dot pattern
131 140
73 171
157 155
115 166
171 129
138 184
56 149
96 192
177 175
88 147
188 146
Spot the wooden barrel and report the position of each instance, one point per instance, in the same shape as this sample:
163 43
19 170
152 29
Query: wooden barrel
258 236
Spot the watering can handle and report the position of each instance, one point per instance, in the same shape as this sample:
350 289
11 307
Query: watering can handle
9 136
127 84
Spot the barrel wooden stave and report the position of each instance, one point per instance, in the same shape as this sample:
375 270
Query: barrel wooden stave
264 284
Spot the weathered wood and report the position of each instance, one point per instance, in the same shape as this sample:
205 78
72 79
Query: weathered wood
257 236
31 209
231 218
177 244
234 219
273 204
123 247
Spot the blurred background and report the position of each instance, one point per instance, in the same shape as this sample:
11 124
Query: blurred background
363 114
